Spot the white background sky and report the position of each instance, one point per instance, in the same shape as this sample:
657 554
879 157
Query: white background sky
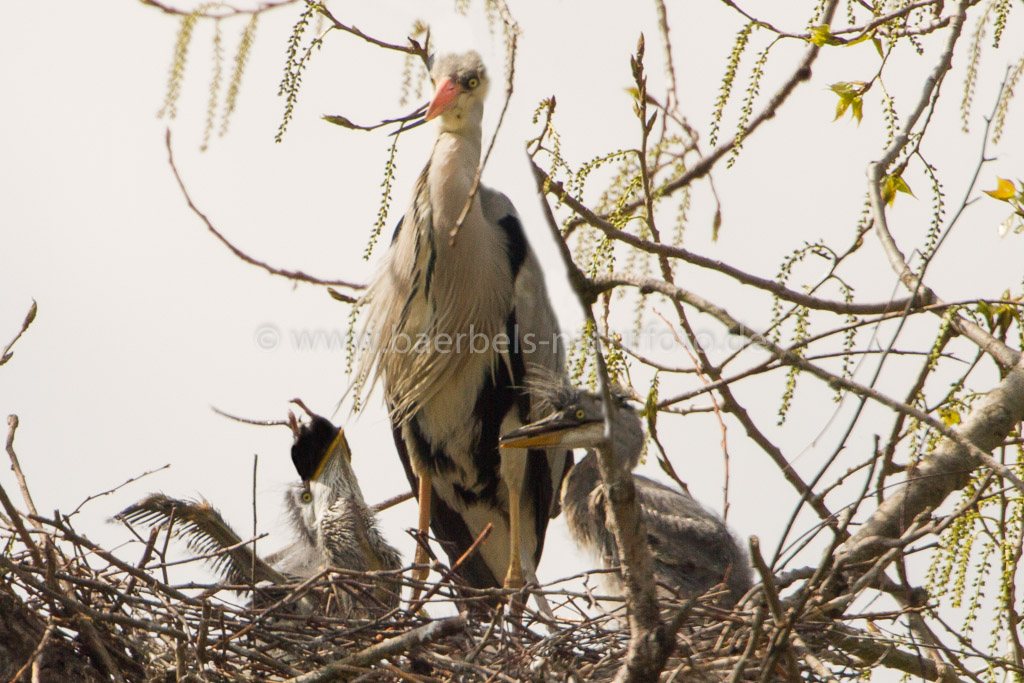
145 321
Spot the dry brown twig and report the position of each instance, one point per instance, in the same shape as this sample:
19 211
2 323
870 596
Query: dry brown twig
5 355
296 275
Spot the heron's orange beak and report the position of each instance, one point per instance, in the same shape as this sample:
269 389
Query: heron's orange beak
444 98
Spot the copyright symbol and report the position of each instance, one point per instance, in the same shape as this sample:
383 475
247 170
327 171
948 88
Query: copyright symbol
267 337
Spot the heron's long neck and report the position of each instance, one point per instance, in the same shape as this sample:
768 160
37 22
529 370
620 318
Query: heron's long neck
452 169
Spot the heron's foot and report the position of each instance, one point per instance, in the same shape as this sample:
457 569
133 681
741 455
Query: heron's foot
516 601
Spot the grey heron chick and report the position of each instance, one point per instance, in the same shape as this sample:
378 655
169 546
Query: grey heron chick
327 509
332 524
692 548
456 314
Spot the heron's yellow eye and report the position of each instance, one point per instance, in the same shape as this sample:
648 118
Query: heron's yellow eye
580 414
472 83
306 497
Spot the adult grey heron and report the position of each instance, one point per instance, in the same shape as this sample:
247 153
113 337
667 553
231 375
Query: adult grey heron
692 549
333 525
456 313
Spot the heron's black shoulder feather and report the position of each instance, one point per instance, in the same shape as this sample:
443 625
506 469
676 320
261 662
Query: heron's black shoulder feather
398 229
516 241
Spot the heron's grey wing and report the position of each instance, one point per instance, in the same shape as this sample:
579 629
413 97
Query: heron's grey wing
538 331
536 342
205 532
298 558
693 549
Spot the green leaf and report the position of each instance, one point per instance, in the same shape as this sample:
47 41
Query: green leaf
339 120
893 184
822 35
949 416
985 309
1004 190
849 95
841 107
844 89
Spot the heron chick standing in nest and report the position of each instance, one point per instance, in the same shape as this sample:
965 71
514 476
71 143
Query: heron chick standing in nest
692 549
333 525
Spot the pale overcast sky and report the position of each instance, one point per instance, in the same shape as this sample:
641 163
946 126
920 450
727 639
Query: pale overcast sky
146 321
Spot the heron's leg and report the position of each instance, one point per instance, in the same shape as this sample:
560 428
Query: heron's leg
421 558
514 577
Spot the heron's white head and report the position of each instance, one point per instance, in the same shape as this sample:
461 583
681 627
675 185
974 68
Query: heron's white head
577 421
460 87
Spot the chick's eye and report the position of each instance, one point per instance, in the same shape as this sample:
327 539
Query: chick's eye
472 82
306 497
580 414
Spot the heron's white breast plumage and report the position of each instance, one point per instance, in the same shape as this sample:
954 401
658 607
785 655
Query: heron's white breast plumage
440 302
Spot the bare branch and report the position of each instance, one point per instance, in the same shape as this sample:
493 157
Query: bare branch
558 190
297 275
650 642
947 469
6 354
1001 353
414 48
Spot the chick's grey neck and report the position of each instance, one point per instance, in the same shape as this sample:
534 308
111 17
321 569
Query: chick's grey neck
628 436
627 446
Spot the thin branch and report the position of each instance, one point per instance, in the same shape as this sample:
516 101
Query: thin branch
115 489
414 48
703 167
833 380
6 354
650 642
470 551
344 122
218 11
12 427
948 468
19 527
391 502
513 32
297 275
1002 354
557 189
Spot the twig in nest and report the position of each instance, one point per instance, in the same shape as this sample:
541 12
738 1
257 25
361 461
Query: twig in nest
12 424
392 501
388 648
12 511
36 652
416 606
